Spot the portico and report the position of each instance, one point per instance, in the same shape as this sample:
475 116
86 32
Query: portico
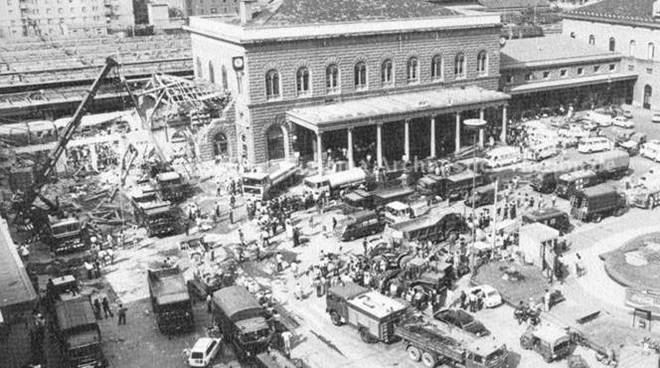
422 115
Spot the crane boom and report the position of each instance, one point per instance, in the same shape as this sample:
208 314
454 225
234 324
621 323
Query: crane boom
46 169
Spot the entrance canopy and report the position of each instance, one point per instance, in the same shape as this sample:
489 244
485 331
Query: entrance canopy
394 107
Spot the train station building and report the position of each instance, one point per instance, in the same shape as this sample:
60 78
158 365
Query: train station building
377 82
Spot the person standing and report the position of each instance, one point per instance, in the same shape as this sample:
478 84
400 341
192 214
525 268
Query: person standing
121 314
209 303
286 342
106 307
97 309
279 260
546 300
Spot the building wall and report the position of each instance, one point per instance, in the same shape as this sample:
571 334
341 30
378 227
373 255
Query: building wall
10 19
648 68
255 115
534 75
119 14
206 7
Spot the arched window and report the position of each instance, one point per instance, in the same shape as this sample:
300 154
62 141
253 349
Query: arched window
459 65
225 83
211 72
631 48
572 35
482 62
386 73
650 54
612 44
220 144
302 81
198 63
412 70
592 39
272 84
332 78
437 71
360 75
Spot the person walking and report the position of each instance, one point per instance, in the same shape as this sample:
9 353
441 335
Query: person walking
97 309
121 314
209 303
106 307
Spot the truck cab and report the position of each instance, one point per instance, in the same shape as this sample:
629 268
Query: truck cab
569 183
481 196
544 182
553 217
430 184
66 235
548 341
171 186
156 216
396 211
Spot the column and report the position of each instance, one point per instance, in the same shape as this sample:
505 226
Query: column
481 131
503 134
433 136
458 132
406 139
379 145
349 149
319 152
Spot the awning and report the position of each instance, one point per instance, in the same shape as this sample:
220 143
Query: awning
394 107
570 83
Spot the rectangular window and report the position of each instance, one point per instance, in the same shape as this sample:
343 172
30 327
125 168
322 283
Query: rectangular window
546 75
612 67
596 68
580 71
562 73
649 70
631 68
509 79
214 10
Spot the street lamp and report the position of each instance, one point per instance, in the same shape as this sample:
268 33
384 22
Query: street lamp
475 125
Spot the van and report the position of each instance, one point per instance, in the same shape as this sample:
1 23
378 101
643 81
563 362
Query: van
203 352
398 211
502 156
552 217
595 144
541 151
651 150
360 224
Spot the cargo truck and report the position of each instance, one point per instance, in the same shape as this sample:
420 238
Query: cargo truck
437 227
172 186
242 321
170 300
331 183
156 216
453 187
263 185
78 333
374 315
592 204
66 235
598 169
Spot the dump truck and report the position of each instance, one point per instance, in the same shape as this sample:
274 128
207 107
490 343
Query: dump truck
66 235
170 300
172 186
78 333
263 185
242 321
374 315
592 204
435 227
430 344
331 183
156 216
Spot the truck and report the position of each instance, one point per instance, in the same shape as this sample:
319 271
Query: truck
445 225
548 341
61 288
78 333
569 183
66 235
598 168
242 321
263 185
156 216
360 224
646 193
374 315
170 300
331 183
430 344
592 204
172 186
481 196
396 211
452 187
553 217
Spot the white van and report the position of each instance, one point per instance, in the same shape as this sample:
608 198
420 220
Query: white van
503 156
541 151
203 352
651 150
595 144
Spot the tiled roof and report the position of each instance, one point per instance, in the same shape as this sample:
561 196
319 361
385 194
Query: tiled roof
551 48
631 11
292 12
513 4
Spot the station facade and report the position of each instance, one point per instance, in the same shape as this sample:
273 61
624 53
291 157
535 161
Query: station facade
367 83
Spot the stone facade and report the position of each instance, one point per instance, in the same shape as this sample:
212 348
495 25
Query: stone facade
635 59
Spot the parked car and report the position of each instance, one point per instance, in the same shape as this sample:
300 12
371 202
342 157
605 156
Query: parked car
463 320
623 122
492 297
203 352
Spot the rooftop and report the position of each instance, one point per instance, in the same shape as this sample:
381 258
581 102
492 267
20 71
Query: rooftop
617 11
514 4
15 285
377 304
548 50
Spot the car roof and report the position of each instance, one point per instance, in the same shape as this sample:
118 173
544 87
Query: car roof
202 344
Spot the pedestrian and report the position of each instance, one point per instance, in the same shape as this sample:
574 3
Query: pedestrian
209 303
88 266
553 200
462 298
106 307
546 300
334 224
286 342
231 216
97 268
365 247
97 309
121 313
279 259
296 237
579 269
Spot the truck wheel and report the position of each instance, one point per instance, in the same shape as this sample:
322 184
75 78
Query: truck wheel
335 318
597 218
414 354
429 359
364 335
618 212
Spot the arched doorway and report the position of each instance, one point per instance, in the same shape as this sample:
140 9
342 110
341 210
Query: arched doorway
220 145
275 141
648 92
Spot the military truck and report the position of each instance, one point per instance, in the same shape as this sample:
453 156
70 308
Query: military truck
436 227
78 333
172 186
66 235
371 313
170 300
157 217
592 204
549 341
452 187
242 321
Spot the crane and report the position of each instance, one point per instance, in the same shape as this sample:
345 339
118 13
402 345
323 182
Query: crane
43 171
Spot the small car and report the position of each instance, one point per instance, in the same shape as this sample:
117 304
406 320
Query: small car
492 297
623 122
203 352
463 320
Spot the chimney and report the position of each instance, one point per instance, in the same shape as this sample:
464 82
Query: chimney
245 10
